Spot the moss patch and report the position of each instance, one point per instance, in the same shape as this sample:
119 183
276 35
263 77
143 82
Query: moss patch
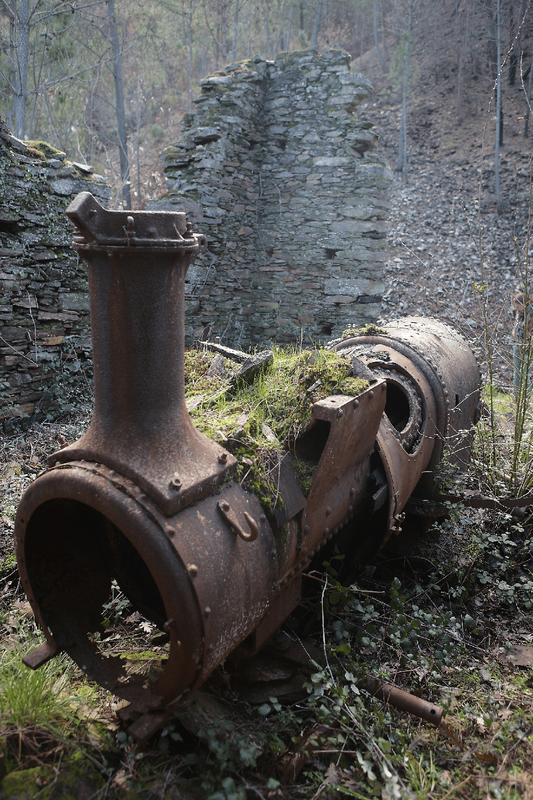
78 781
260 422
367 330
43 150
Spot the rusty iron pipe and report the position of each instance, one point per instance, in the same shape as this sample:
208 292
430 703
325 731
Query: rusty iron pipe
405 701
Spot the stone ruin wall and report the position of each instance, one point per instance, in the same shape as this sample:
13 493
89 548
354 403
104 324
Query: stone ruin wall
274 167
44 305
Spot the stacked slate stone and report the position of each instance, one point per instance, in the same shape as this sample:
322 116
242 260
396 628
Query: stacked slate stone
44 307
275 169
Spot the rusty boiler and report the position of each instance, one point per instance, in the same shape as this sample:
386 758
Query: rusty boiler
146 500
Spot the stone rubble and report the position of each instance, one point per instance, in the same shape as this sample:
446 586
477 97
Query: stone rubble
450 255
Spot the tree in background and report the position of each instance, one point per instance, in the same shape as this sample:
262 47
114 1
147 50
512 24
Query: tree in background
37 56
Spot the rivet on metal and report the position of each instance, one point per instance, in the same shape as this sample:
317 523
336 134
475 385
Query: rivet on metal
352 491
222 459
192 569
350 508
207 611
371 393
328 511
326 531
355 403
168 625
306 528
339 413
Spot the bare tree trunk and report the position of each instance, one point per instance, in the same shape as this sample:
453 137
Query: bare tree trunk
491 42
314 41
376 37
402 144
288 45
383 37
235 27
362 44
528 96
498 111
121 116
191 55
12 65
138 141
435 46
516 55
22 28
462 56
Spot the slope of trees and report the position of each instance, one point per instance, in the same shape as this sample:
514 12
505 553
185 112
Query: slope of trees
102 78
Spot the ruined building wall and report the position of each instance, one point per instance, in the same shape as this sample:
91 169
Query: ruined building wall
276 170
44 305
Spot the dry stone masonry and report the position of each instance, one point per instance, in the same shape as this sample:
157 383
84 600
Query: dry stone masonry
44 306
274 167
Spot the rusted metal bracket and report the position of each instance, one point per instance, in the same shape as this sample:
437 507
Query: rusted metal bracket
343 466
40 655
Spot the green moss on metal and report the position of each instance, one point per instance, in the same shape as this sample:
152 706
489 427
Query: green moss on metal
259 423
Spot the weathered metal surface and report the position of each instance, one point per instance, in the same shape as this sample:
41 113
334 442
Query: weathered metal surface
405 701
36 658
140 425
446 360
438 365
146 500
189 574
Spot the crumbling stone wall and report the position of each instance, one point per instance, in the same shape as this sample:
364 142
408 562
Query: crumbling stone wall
44 306
276 170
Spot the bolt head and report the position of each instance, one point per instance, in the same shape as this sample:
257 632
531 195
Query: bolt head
175 482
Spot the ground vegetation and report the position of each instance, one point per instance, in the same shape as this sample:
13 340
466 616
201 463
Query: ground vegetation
446 615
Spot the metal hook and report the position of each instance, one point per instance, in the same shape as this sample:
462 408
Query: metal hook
231 518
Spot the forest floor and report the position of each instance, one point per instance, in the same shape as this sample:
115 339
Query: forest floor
446 616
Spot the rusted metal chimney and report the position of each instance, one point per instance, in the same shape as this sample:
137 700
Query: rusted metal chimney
140 426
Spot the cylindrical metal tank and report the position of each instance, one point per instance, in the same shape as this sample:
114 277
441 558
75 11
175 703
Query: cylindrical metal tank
145 500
